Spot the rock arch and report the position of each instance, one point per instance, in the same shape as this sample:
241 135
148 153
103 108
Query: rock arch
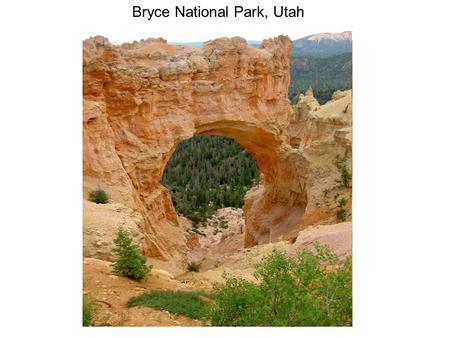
141 99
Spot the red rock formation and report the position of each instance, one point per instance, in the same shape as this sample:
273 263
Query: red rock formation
141 99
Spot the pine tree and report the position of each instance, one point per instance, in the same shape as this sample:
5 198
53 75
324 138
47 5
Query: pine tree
130 262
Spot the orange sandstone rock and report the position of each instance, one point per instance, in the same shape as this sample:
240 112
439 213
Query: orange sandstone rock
141 99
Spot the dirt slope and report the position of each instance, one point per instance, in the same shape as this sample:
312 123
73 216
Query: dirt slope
113 292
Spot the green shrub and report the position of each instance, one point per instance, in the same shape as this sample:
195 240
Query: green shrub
342 202
299 291
98 196
340 162
341 213
130 262
194 266
193 304
235 303
88 310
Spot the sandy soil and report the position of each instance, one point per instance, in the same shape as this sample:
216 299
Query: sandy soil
113 292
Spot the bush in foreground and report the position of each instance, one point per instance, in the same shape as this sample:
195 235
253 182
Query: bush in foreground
313 289
130 262
98 196
193 304
88 310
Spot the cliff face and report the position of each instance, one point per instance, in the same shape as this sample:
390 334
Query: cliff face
141 99
320 133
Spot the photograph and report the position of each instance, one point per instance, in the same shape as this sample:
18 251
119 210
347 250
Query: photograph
217 181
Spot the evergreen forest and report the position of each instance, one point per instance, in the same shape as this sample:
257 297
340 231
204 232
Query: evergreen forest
206 173
324 74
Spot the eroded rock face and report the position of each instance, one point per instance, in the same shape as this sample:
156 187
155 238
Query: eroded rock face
141 99
319 133
101 223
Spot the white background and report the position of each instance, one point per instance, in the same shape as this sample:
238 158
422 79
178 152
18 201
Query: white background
401 159
116 22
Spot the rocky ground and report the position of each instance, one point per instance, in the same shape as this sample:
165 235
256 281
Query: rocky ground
219 251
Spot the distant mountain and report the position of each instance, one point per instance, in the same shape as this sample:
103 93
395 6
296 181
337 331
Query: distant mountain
322 61
198 44
323 44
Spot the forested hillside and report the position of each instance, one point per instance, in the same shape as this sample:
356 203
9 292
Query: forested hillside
324 74
206 173
322 61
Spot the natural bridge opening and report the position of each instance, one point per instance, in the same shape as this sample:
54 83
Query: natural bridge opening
207 173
